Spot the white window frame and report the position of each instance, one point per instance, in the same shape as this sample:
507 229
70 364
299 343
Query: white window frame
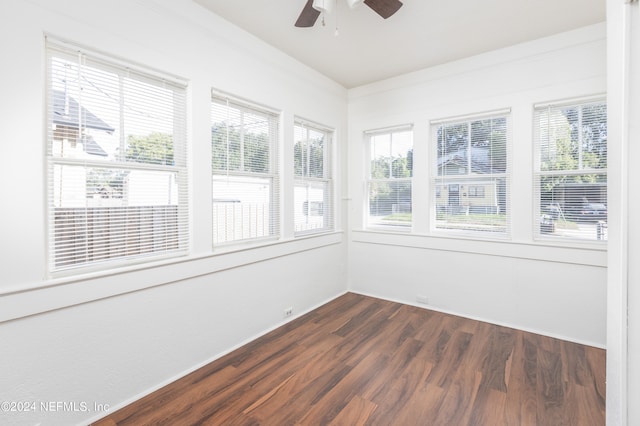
262 230
545 223
440 182
313 223
105 246
369 136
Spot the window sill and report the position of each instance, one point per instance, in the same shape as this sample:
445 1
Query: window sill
577 254
389 229
313 233
30 299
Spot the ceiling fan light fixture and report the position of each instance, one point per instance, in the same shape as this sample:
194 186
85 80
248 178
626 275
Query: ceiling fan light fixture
354 3
323 5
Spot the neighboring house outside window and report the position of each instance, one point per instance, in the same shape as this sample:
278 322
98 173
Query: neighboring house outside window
390 171
476 191
570 175
313 182
116 160
470 175
244 139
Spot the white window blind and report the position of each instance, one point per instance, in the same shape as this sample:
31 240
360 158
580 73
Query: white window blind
389 177
244 141
470 175
117 177
570 176
313 186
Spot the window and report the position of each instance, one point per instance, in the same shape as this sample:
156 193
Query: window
570 178
244 139
390 173
116 160
470 175
476 191
313 186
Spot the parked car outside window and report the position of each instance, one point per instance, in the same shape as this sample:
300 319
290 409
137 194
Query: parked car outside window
593 211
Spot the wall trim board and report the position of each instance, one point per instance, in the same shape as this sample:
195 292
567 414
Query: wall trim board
477 318
46 296
586 256
219 355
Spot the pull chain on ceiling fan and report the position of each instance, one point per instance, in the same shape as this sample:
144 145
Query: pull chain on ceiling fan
313 8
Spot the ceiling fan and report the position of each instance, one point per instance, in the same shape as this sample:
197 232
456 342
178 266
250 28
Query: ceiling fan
313 8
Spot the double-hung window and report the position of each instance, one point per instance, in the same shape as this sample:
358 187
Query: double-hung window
470 175
117 184
570 175
313 183
244 140
390 173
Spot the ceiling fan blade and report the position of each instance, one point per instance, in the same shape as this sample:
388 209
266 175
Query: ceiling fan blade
384 8
308 16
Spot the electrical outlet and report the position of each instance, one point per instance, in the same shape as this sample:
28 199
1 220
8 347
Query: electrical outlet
288 312
422 299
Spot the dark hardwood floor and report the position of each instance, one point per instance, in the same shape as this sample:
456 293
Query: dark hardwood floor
364 361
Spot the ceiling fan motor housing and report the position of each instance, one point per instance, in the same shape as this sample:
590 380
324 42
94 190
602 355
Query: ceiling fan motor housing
323 5
313 8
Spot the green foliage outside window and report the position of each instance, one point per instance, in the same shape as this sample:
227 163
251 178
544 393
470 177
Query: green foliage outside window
154 148
236 151
309 158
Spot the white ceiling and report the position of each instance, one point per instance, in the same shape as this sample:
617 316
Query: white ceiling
421 34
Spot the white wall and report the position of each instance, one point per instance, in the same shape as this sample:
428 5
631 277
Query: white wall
519 282
633 230
623 328
107 339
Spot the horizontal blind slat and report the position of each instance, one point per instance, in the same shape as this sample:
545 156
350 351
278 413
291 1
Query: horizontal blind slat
245 185
570 176
390 171
117 175
313 181
471 175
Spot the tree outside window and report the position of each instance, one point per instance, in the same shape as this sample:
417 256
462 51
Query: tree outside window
571 171
390 175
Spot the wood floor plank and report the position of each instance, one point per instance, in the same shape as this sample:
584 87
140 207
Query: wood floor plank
398 363
454 410
499 347
551 388
311 383
451 359
596 359
355 413
359 360
521 384
465 382
421 408
326 409
489 408
391 392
